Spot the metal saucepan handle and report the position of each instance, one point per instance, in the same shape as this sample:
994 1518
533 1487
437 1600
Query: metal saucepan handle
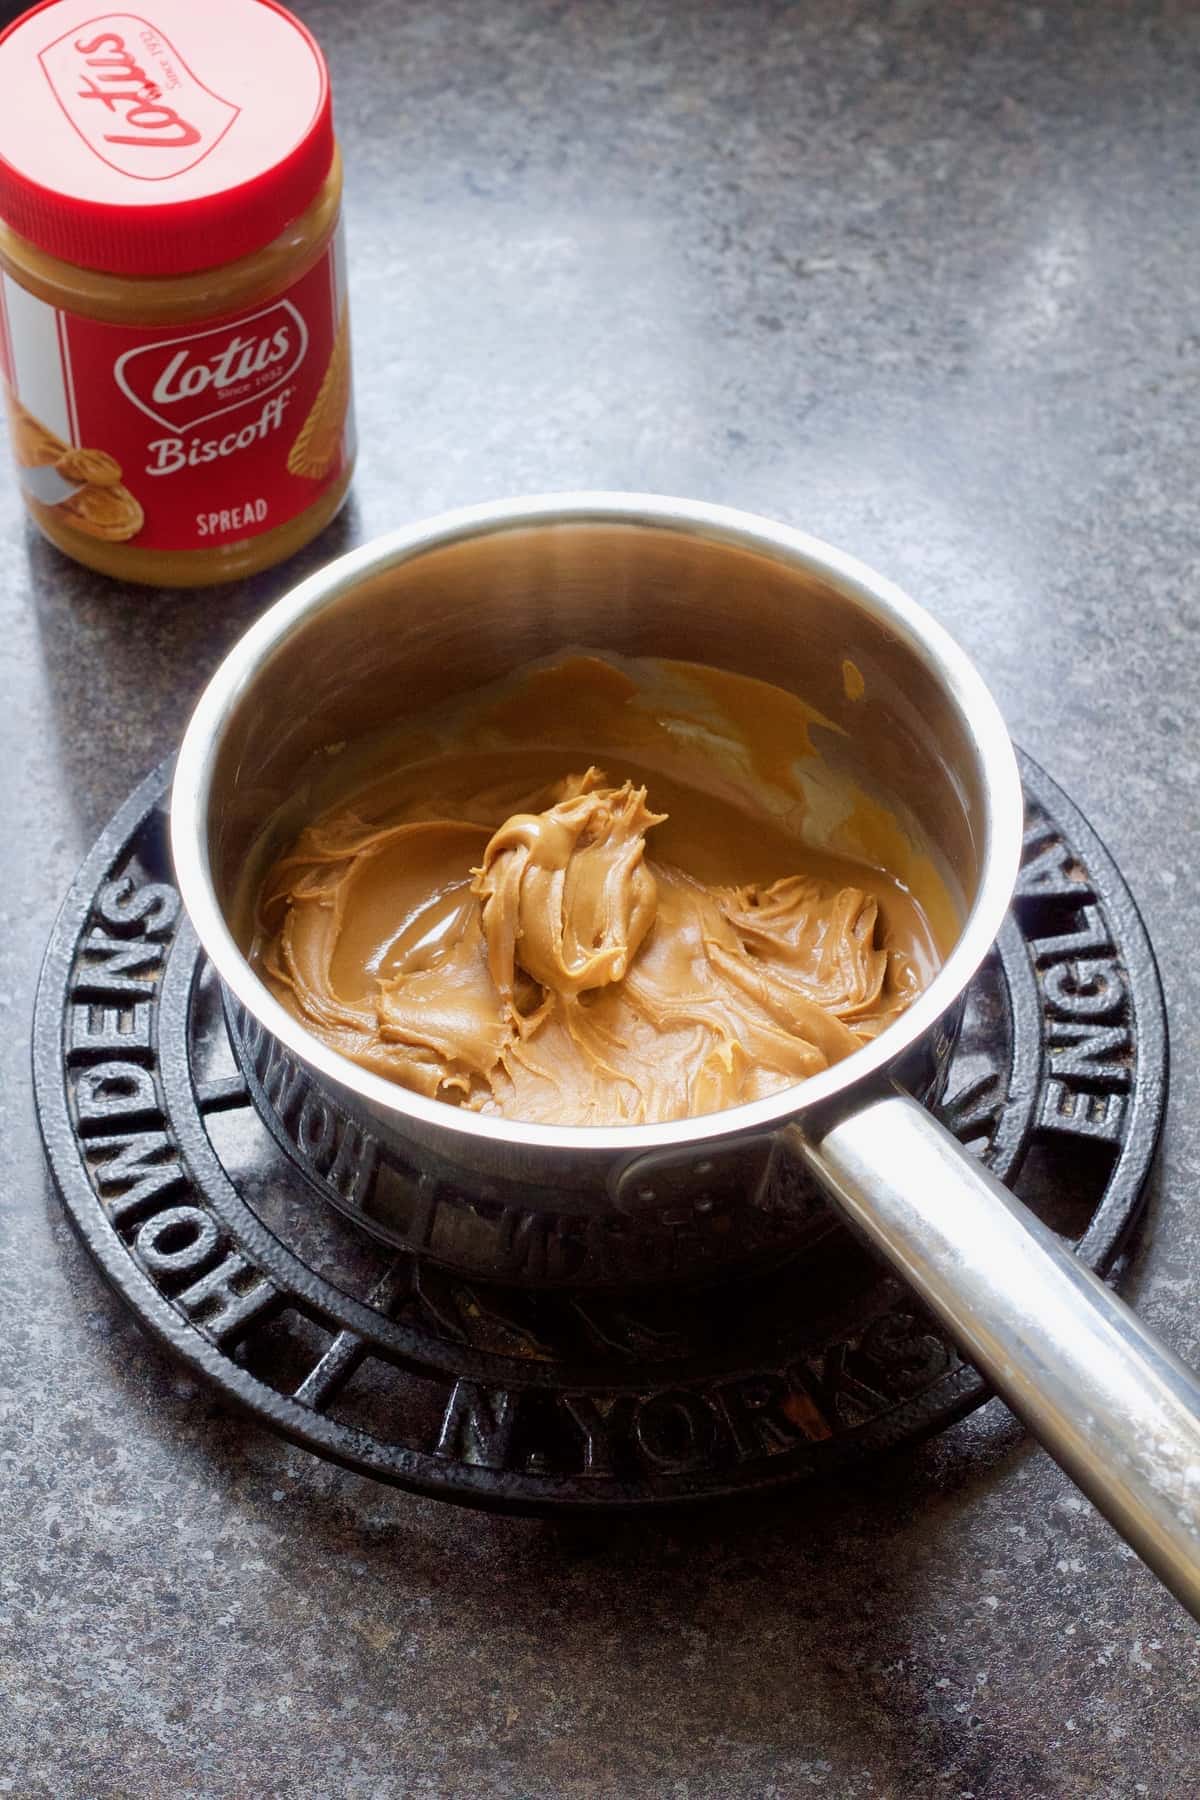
1113 1406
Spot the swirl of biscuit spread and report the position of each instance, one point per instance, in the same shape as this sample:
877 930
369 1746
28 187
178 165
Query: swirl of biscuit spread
550 971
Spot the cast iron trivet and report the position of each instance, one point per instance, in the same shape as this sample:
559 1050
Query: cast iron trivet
561 1397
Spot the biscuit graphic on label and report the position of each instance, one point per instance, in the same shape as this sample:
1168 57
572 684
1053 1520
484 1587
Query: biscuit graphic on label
94 466
109 512
34 444
100 507
319 443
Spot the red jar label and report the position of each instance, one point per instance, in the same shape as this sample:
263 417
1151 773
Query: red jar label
181 438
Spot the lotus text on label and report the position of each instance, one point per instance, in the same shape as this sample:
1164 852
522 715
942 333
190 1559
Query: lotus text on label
112 81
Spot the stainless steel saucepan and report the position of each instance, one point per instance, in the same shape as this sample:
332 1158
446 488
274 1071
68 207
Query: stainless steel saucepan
449 604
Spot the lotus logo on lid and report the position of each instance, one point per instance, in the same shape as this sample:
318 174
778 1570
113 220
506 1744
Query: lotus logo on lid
132 99
181 382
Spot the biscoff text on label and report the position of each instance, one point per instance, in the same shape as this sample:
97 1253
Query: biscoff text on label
173 453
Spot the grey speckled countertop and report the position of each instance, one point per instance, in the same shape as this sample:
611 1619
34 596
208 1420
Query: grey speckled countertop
924 279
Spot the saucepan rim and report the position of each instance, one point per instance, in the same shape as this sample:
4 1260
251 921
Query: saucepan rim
191 797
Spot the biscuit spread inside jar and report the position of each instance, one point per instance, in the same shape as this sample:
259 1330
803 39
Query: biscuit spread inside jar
596 893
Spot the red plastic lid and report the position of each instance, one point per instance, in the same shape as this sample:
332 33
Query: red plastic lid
162 141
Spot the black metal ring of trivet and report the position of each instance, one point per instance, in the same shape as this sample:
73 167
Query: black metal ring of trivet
548 1402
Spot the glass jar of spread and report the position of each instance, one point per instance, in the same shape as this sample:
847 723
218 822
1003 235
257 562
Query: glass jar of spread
174 335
